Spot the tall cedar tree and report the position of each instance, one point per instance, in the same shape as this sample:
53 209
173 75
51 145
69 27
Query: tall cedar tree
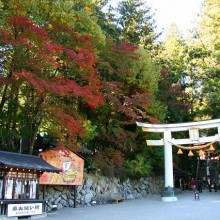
136 23
173 93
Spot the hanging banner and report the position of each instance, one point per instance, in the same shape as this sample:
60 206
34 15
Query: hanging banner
71 164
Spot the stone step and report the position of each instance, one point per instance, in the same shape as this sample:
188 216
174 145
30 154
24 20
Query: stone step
117 200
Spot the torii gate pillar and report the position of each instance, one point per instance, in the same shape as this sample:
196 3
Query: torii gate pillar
194 138
168 161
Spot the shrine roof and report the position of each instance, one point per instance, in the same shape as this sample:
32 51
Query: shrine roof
25 161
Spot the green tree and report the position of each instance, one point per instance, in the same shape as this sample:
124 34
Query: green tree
174 90
106 19
130 84
207 42
130 78
136 22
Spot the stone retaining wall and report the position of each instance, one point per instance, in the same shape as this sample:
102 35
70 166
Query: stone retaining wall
102 190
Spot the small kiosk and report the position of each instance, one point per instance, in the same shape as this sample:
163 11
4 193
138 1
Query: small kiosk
19 184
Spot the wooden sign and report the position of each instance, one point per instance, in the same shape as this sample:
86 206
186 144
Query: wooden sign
194 134
71 164
24 209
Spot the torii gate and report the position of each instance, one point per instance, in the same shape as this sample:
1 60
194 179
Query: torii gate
167 141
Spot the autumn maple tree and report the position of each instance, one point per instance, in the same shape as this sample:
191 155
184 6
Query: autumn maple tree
47 73
130 79
57 65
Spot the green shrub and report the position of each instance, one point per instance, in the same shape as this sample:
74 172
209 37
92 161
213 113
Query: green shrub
138 167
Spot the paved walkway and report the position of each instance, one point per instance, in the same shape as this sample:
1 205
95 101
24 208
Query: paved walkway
151 208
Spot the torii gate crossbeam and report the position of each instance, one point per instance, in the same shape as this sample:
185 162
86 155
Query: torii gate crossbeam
167 141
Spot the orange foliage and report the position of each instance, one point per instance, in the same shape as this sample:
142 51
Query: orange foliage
58 71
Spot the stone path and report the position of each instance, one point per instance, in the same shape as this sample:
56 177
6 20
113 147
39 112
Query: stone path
150 208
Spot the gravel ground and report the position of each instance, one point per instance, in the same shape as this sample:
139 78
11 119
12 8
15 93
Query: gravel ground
150 208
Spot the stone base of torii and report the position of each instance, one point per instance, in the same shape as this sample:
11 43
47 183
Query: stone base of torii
167 141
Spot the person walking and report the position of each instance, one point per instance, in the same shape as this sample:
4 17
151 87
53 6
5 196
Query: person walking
209 184
215 185
193 184
199 185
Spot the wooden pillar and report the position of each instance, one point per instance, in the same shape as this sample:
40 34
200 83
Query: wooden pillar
44 191
44 194
74 187
168 159
3 186
3 195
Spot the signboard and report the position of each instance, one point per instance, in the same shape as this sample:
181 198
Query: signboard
71 164
24 209
194 134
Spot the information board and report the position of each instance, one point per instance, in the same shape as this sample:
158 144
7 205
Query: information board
71 164
24 209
